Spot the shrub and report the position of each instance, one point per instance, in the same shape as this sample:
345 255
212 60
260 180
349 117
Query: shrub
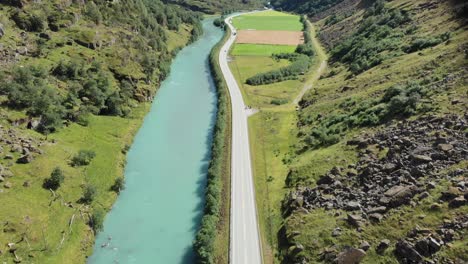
118 185
96 222
55 180
83 158
423 43
278 101
28 22
92 12
89 194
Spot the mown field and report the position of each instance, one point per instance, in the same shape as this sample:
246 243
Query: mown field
268 20
260 49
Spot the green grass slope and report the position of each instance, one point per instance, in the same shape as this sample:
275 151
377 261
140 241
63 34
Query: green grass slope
394 68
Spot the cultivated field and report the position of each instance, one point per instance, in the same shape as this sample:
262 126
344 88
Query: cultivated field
270 37
269 20
260 49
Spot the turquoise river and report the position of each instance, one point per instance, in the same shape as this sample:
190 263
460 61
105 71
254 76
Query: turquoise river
155 218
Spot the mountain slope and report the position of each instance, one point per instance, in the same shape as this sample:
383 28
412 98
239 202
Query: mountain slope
379 165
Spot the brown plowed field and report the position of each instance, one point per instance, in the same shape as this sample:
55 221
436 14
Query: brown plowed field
270 37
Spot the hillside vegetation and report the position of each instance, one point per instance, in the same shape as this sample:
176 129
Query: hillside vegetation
76 79
375 169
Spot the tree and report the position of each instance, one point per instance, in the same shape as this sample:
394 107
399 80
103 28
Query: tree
97 220
83 158
89 194
55 180
119 185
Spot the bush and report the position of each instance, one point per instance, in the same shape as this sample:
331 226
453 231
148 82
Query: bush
92 12
89 194
28 22
219 22
55 180
119 185
96 222
423 43
83 158
278 101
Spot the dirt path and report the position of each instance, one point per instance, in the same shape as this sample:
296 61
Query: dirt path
315 73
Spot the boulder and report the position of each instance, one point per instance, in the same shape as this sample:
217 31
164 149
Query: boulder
376 217
351 256
16 148
427 246
419 159
355 220
382 246
406 253
8 185
450 194
379 209
25 159
352 206
2 179
364 245
2 30
445 147
326 179
7 174
458 202
398 195
336 232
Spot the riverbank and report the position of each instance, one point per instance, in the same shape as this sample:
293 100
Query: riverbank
212 241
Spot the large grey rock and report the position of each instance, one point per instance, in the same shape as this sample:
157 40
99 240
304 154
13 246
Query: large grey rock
406 252
2 30
382 246
458 202
25 159
351 256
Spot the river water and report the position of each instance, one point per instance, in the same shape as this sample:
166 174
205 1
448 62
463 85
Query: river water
156 217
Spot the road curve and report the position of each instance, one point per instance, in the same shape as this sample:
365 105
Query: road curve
245 245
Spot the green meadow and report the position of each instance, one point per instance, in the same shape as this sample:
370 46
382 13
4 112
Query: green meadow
260 49
268 20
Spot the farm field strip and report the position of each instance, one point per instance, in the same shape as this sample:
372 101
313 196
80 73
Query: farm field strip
271 20
263 50
275 37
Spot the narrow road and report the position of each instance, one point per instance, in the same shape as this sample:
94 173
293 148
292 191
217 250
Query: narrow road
245 245
320 55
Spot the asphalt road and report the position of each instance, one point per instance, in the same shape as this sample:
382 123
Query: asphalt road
245 245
